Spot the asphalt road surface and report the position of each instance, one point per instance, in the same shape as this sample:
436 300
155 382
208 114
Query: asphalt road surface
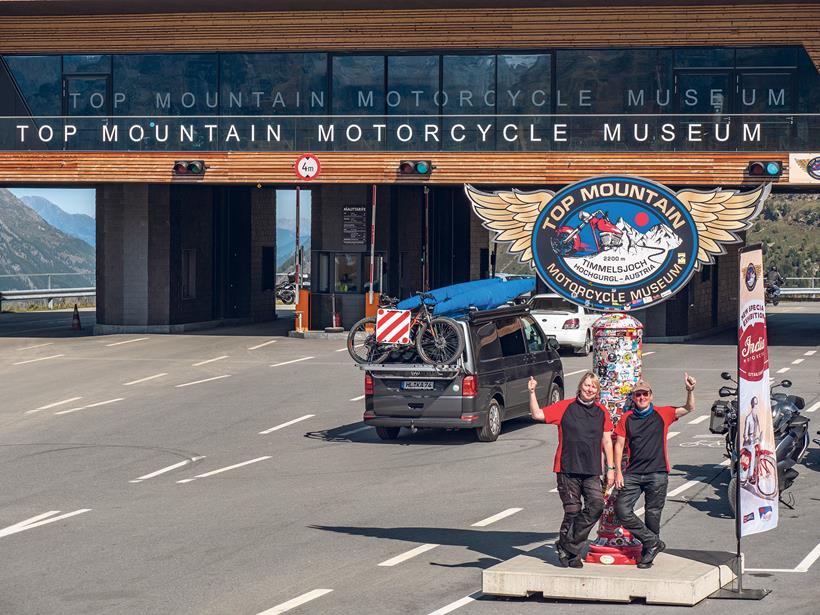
228 472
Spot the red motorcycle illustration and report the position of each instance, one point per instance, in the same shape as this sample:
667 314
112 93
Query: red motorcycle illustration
567 240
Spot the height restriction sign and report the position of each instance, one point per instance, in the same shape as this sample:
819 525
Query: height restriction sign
307 166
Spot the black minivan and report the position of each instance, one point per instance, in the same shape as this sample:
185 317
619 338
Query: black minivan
487 386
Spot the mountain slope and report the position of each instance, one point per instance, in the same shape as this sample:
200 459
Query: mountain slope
29 244
80 226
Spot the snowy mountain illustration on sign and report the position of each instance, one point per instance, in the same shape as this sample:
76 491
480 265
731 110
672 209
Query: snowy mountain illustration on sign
638 257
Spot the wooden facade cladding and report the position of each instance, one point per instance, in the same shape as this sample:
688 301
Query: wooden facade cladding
481 28
518 169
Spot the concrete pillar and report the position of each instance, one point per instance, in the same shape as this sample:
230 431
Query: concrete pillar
263 235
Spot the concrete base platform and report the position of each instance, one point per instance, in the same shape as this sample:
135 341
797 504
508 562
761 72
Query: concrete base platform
677 577
318 335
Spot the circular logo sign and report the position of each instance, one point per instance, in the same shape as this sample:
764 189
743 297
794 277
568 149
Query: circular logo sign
615 243
307 166
750 277
813 167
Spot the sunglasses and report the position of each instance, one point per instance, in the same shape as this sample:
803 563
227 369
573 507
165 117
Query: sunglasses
641 393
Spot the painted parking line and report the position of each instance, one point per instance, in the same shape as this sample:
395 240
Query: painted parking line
803 566
457 604
36 346
671 434
498 517
289 423
293 361
797 361
263 344
646 354
54 356
809 353
298 601
161 471
783 370
39 520
359 398
352 431
188 384
146 379
393 561
577 371
342 349
814 407
220 470
136 339
54 405
224 356
700 419
95 405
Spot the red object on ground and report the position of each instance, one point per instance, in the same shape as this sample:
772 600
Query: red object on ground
75 319
614 544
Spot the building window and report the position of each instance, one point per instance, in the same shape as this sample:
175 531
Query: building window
268 268
348 277
323 274
189 274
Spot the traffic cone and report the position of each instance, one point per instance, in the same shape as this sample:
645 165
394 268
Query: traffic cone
75 320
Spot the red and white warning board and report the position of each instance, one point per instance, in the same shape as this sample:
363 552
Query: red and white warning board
393 326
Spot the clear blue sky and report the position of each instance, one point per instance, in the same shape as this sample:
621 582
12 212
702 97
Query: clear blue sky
72 200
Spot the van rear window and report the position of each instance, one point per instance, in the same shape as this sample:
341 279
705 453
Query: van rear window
488 345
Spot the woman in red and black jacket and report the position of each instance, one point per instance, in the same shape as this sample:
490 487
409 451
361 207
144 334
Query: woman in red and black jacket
584 428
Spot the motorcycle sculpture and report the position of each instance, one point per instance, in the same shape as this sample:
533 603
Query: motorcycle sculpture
567 240
791 433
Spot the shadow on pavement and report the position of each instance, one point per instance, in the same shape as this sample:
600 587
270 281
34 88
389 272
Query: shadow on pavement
494 545
50 324
711 498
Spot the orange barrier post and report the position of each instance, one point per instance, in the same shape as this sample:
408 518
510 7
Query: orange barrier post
302 313
370 309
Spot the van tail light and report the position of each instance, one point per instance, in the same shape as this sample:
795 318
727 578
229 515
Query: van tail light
368 384
468 386
572 323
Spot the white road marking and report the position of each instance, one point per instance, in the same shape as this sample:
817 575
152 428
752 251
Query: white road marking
289 362
783 370
54 356
554 490
797 361
577 371
359 398
166 469
711 435
283 425
803 566
39 520
258 346
54 405
814 407
809 353
220 470
671 434
725 462
136 339
352 431
36 346
95 405
502 515
686 486
224 356
646 354
342 349
187 384
700 419
300 600
146 379
408 555
457 604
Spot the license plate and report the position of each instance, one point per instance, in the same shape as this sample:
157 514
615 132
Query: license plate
417 385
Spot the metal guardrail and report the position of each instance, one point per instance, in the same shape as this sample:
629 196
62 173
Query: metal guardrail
24 295
799 291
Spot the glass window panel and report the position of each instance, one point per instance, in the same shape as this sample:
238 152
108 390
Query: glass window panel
87 96
412 86
766 56
165 84
524 87
358 85
39 79
766 92
704 57
533 335
348 273
512 342
489 347
468 90
95 64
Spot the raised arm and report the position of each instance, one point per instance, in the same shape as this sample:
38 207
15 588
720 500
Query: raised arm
689 382
535 410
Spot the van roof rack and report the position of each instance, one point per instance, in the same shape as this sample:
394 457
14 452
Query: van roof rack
507 310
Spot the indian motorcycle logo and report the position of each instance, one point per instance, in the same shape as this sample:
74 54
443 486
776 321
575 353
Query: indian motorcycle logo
617 243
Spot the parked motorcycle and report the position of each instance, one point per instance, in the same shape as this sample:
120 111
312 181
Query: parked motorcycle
567 240
791 434
286 292
772 294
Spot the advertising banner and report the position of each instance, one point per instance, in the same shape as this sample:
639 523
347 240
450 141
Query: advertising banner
757 471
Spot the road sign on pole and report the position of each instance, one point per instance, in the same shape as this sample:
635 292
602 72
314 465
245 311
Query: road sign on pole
307 167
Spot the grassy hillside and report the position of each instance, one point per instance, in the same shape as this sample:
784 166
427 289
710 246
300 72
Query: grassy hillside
789 229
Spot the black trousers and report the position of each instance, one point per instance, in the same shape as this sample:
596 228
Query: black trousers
653 486
583 502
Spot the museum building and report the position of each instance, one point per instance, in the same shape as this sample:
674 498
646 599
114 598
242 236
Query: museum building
188 118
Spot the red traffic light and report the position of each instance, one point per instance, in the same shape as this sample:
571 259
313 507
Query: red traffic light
189 167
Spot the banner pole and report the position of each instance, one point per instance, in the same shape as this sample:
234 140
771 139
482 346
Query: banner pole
372 243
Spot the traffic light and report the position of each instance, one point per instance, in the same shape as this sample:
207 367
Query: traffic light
189 167
415 167
765 168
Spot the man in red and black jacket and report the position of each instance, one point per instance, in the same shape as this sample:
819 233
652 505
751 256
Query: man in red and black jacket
642 431
584 428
